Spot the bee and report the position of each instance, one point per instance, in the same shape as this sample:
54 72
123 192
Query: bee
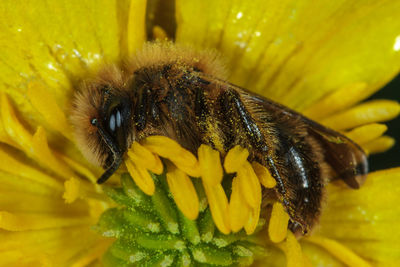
183 94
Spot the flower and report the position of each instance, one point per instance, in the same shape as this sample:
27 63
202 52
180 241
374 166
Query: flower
321 59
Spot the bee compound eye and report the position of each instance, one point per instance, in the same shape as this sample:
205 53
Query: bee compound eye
112 122
118 119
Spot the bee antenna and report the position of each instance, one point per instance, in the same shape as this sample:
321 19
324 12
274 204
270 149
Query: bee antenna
117 157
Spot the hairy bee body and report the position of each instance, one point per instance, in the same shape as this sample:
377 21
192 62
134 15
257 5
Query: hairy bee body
177 94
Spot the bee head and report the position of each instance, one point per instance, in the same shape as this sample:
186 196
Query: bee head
101 115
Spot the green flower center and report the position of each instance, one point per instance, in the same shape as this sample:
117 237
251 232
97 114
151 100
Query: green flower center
152 231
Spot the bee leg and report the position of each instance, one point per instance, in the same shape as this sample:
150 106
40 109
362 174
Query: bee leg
233 107
289 166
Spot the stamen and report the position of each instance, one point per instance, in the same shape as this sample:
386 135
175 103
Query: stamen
239 211
141 177
219 207
253 219
210 165
264 175
278 223
168 148
183 191
72 190
250 185
143 157
235 158
339 251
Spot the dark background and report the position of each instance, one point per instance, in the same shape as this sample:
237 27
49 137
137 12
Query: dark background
390 158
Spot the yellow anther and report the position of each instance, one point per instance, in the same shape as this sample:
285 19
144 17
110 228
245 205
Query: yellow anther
145 158
184 193
141 177
239 211
235 158
278 223
264 175
168 148
219 207
210 165
250 185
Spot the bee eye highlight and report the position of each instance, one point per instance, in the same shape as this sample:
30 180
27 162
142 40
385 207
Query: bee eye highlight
112 122
118 118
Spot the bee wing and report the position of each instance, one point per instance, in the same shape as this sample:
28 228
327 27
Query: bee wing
301 154
346 159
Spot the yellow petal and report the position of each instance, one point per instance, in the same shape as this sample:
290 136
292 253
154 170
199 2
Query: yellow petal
264 175
379 145
93 253
219 207
366 133
361 220
170 149
143 157
45 156
278 224
210 165
292 249
141 177
347 256
13 166
136 25
239 211
79 168
297 51
12 126
369 112
184 193
46 104
23 222
338 100
235 158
